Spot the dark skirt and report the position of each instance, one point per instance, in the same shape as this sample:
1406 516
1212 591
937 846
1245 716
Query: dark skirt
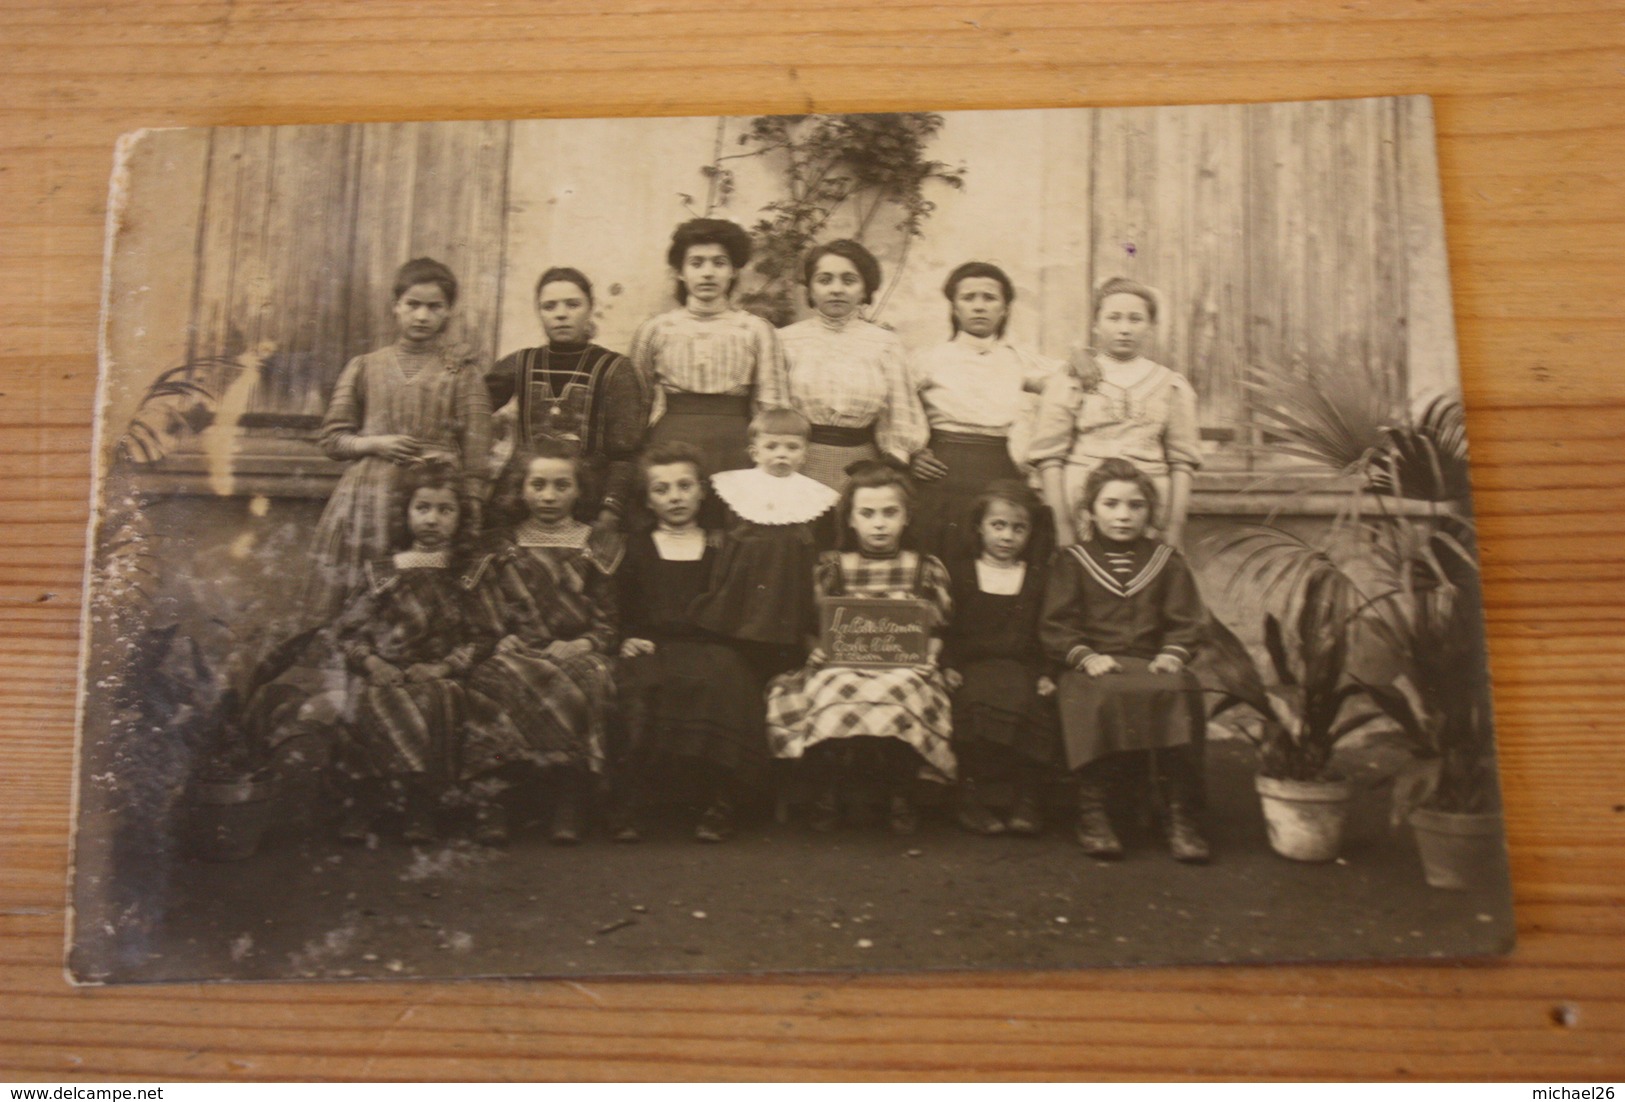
941 522
695 699
998 705
715 425
1132 710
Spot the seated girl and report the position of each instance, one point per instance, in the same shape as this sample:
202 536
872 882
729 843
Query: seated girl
900 711
687 696
550 602
409 636
1004 711
1123 616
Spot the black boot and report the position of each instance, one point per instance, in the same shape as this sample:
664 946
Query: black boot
1182 783
901 764
717 824
366 803
823 771
1094 829
971 812
566 828
1026 818
418 825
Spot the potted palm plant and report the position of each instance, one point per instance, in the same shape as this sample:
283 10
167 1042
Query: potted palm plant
1450 794
1411 471
1303 715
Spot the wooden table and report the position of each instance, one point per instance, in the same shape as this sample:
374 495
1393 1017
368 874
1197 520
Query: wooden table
1531 115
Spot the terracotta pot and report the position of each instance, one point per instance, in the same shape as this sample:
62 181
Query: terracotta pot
1305 818
229 818
1458 850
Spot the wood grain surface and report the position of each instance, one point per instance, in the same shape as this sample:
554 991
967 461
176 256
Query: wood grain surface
1531 116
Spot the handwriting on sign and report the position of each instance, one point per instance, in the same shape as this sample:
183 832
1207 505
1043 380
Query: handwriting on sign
868 632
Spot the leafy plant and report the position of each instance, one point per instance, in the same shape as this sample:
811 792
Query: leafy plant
1303 713
863 164
1443 703
1426 603
224 715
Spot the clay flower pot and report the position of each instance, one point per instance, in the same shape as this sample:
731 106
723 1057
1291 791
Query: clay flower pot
1305 818
1459 850
230 817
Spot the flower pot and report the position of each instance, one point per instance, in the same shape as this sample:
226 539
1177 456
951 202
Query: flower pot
229 818
1458 850
1305 818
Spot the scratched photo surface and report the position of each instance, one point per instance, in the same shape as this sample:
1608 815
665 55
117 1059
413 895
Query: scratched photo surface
978 540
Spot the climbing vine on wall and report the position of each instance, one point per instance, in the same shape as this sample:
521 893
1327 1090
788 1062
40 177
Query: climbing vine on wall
872 168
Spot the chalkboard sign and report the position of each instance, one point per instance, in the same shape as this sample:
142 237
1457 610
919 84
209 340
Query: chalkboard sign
858 631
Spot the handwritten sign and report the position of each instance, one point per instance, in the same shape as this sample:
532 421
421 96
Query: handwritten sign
860 631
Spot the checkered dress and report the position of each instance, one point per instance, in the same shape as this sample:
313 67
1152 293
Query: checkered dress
809 706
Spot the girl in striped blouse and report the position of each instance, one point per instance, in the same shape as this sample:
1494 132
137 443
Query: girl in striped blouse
709 366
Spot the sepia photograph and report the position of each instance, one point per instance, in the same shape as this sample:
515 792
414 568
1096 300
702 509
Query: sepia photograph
833 543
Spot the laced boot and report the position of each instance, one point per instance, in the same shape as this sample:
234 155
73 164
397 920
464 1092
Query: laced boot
566 826
418 826
973 814
362 811
1094 829
1180 772
491 822
901 816
623 815
717 824
1184 835
826 810
1025 817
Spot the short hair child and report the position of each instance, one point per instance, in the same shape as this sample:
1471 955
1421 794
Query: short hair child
778 422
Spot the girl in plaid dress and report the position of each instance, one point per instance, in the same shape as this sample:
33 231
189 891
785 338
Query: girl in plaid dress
902 713
549 598
409 636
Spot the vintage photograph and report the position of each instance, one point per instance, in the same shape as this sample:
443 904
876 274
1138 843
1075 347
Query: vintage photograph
964 540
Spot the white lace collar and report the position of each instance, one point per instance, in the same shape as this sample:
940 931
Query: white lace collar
422 560
763 499
532 533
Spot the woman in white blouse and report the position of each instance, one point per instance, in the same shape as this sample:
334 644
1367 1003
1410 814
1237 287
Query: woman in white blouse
848 376
979 392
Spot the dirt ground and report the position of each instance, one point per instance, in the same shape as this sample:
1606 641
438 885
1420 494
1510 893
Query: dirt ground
781 899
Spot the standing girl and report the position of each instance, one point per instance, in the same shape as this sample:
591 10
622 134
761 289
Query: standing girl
1123 617
1116 404
980 392
902 711
421 398
708 365
1004 711
846 375
409 636
686 695
576 392
551 603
